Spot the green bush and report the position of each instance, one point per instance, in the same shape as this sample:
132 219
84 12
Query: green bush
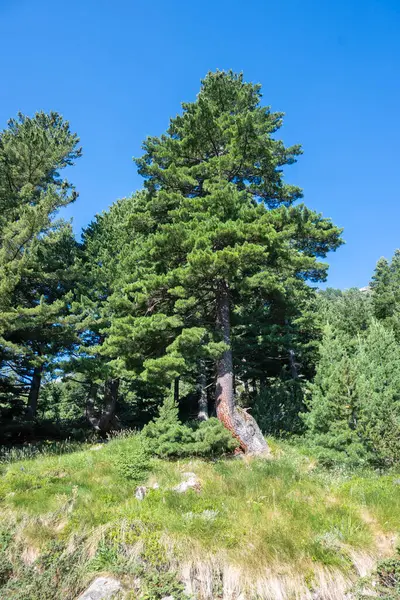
388 573
384 583
213 439
158 584
131 459
167 437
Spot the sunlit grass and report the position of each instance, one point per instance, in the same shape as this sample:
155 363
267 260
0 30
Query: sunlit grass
279 514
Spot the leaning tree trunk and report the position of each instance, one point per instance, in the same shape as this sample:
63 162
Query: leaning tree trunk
242 425
34 390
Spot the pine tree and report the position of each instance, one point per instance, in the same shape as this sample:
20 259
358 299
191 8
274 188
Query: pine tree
36 327
378 390
355 398
98 265
385 287
35 250
348 311
382 291
217 226
332 419
32 151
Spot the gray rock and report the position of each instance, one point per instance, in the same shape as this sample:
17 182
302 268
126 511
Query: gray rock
102 588
191 483
140 492
97 447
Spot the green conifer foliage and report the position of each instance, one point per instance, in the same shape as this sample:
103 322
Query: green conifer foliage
36 253
332 420
216 226
36 327
355 402
32 152
98 266
378 391
385 287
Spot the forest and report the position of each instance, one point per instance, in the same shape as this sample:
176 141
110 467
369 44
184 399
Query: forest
198 292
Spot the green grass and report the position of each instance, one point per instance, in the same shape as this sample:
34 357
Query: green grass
282 516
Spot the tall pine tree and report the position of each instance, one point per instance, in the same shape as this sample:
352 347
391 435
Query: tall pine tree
35 250
217 226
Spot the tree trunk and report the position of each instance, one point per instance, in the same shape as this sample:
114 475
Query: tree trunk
110 403
91 405
293 365
33 396
103 422
176 390
292 359
242 425
203 400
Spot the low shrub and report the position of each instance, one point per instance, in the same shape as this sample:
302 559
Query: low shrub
131 459
384 584
167 437
211 438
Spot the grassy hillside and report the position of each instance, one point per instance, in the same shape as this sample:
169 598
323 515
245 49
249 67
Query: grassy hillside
280 528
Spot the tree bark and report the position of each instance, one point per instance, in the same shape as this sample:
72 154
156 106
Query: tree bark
292 359
293 365
203 399
176 390
34 390
103 422
110 399
91 405
242 425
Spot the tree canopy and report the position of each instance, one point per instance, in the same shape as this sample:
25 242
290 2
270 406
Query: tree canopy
196 296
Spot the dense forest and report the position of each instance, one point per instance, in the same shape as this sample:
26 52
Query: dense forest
198 292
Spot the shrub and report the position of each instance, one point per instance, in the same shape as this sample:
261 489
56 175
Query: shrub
213 439
131 459
388 573
384 583
158 584
166 436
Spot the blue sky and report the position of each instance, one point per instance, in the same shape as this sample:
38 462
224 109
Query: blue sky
118 70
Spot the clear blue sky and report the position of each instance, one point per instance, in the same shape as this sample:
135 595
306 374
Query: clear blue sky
118 70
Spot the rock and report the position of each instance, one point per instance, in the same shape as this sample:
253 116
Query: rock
97 447
140 492
168 598
102 588
191 483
